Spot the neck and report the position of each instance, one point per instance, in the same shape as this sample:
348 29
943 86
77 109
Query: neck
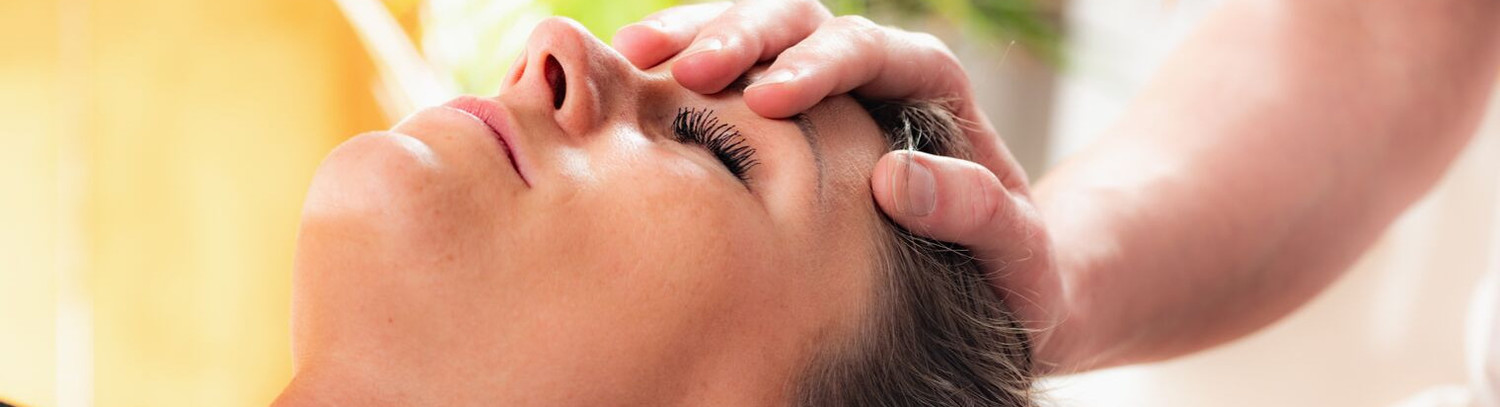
340 389
319 390
301 394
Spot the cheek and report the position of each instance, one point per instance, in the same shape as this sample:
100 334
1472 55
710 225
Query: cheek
659 213
652 234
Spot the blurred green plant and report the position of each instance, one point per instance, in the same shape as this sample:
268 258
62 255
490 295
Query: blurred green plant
476 39
1028 22
604 17
468 45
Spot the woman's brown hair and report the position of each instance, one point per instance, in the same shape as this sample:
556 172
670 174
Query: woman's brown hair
938 334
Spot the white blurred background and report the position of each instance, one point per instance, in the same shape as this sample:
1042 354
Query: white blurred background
1390 332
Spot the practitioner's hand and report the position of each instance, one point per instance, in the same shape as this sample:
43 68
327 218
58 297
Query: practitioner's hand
985 205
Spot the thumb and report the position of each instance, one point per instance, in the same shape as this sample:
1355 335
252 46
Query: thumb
948 199
959 201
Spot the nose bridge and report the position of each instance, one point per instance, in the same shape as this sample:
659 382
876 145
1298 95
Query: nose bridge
573 75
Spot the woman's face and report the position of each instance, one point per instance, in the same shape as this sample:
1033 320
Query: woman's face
564 242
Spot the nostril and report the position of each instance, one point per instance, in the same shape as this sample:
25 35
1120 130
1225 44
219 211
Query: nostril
557 80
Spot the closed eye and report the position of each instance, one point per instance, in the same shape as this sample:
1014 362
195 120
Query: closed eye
702 128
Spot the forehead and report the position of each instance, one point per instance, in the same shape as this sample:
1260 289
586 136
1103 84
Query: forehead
836 209
845 143
823 224
844 140
848 144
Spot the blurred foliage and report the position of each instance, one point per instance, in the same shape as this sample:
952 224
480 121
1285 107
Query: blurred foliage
1025 21
476 40
604 17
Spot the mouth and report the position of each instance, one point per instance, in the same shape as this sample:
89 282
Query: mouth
493 114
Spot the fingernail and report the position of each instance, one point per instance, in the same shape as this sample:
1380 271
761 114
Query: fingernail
704 46
780 76
921 188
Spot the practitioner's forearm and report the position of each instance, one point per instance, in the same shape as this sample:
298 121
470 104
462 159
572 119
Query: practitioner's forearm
1270 151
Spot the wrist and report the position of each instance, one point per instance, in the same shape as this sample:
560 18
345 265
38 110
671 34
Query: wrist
1077 339
1062 345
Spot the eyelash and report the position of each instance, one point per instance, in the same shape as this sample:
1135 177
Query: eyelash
701 127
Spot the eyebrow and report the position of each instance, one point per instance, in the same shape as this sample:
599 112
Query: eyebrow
804 125
810 134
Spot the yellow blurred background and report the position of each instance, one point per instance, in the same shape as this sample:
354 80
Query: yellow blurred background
155 157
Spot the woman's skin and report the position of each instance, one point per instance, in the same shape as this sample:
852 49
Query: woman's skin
617 267
1273 147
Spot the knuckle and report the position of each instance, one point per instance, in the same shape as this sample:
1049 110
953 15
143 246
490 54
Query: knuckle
934 45
949 66
926 39
864 34
811 8
664 14
987 210
692 15
946 66
853 22
740 31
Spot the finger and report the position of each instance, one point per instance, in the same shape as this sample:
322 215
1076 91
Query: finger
962 202
851 53
949 199
749 32
663 34
991 152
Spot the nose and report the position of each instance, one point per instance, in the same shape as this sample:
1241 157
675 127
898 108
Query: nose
571 76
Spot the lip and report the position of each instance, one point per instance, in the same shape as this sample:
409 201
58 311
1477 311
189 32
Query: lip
495 116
